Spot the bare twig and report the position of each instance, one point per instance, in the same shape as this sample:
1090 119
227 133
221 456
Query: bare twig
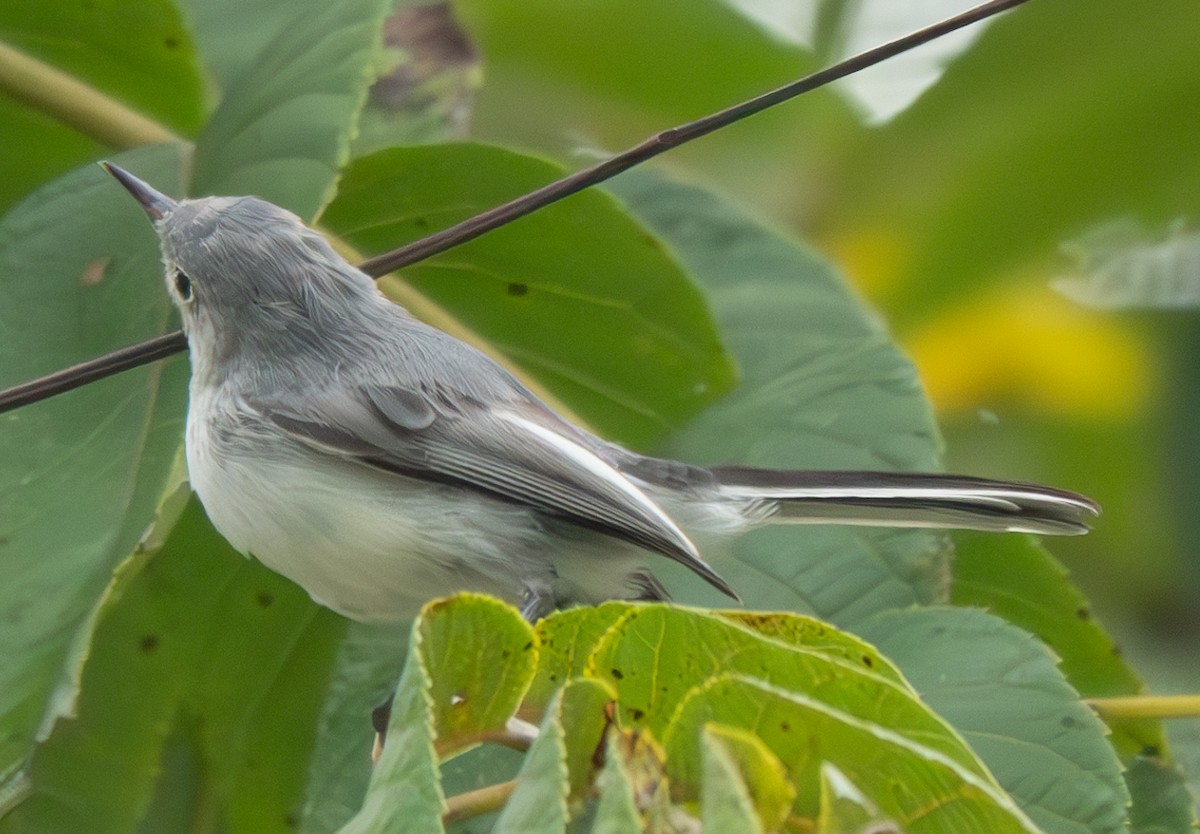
1147 706
473 227
77 375
480 801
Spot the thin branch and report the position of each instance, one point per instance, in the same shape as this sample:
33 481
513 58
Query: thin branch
482 801
78 105
473 227
75 376
450 746
1147 706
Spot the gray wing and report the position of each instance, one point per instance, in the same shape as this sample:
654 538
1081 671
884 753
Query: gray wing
515 451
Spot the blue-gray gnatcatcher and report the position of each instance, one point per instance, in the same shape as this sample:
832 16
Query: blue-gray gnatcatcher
379 462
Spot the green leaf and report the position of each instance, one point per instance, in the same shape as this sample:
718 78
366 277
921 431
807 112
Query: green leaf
566 640
480 657
405 793
363 676
815 635
426 91
1162 803
233 35
569 640
643 354
584 716
538 805
725 803
284 131
82 473
823 386
1016 578
767 782
844 808
135 51
429 72
476 657
1001 689
616 812
234 690
923 790
652 682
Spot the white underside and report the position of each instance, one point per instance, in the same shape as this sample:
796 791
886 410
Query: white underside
376 546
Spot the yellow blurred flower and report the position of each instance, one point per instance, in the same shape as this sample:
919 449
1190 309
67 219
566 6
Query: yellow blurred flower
1027 344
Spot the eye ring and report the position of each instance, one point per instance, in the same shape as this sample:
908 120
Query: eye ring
183 286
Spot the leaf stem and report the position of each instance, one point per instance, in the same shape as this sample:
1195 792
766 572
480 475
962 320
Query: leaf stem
1147 706
482 801
82 107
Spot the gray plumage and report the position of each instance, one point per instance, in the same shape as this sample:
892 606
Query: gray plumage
379 462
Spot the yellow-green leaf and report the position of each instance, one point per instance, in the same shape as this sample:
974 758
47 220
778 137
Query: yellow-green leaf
767 781
480 656
922 789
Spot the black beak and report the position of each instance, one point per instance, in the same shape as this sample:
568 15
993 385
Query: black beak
154 202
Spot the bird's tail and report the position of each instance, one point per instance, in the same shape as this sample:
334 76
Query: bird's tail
889 499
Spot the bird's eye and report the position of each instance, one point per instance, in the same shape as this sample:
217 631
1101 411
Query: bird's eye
183 286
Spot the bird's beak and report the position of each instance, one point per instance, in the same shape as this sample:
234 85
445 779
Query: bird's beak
154 202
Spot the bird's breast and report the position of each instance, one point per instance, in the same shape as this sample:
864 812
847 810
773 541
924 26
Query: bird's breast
372 545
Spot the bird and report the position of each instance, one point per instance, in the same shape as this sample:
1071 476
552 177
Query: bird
379 462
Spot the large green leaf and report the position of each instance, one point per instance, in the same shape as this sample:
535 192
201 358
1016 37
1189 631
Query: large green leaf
134 51
405 790
822 387
232 35
1016 578
207 649
642 354
82 473
768 787
571 639
652 682
284 131
616 811
1162 803
538 805
363 676
1001 689
480 656
844 808
920 789
725 803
